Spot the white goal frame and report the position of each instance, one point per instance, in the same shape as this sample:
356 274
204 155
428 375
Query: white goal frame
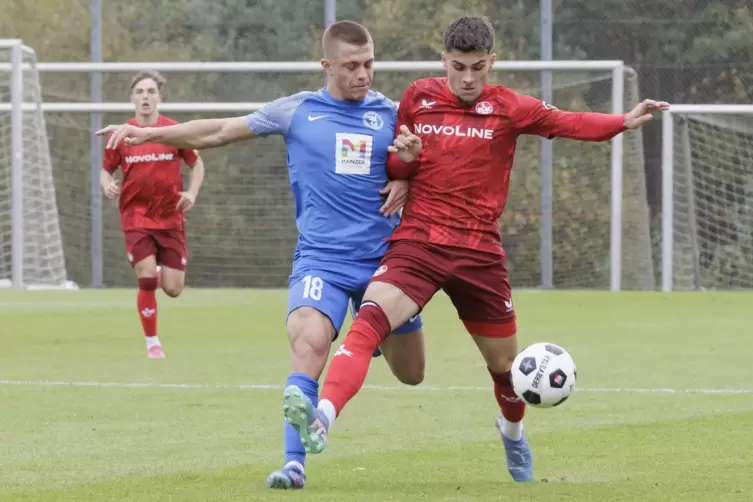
668 178
17 49
617 68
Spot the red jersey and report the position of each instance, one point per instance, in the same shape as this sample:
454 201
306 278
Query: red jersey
460 182
152 181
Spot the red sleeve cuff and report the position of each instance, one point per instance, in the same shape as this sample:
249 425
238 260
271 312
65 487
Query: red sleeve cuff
399 170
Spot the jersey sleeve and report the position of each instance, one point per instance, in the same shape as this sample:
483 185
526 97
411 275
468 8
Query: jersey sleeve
111 160
533 116
189 156
275 116
396 168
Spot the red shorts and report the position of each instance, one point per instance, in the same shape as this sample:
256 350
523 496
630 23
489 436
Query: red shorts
475 281
168 246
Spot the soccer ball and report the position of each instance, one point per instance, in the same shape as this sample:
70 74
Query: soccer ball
543 375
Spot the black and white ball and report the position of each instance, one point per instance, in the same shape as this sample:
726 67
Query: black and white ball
543 375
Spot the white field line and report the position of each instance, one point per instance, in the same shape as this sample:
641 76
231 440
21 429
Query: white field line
420 388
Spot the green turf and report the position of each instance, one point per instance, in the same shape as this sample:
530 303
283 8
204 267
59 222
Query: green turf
218 442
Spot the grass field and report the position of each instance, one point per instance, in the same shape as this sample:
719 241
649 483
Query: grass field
663 410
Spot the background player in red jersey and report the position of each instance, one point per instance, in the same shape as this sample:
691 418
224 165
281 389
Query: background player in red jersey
463 133
152 205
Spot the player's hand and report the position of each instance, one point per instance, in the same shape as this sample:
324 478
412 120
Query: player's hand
407 145
111 190
397 196
186 201
642 113
127 133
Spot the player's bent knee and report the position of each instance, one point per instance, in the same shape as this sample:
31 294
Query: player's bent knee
173 290
173 281
411 374
405 356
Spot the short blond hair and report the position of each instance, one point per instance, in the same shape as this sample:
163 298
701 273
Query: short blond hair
348 32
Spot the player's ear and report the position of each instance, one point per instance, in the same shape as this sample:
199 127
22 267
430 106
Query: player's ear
326 64
444 60
492 59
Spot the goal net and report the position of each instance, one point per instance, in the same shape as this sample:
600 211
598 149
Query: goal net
242 233
38 248
710 175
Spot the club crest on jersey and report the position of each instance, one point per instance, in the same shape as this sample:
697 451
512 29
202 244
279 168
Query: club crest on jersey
382 269
484 108
373 120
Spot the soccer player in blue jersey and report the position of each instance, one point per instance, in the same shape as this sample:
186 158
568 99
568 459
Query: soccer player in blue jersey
337 140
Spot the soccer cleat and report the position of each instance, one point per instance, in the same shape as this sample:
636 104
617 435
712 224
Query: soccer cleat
287 478
310 423
155 352
519 458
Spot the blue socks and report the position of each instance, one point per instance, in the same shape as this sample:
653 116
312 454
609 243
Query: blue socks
294 451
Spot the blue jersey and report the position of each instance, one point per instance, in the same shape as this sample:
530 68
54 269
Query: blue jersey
337 155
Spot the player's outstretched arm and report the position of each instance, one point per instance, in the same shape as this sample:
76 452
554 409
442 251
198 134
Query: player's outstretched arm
642 113
536 117
196 134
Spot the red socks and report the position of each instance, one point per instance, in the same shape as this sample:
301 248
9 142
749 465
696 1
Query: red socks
513 408
146 301
350 364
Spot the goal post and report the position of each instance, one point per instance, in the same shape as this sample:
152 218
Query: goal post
707 197
602 236
31 250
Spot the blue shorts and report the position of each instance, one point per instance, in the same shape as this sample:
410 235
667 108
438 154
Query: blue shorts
331 287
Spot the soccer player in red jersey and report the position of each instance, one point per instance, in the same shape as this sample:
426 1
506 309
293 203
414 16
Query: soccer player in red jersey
152 205
456 146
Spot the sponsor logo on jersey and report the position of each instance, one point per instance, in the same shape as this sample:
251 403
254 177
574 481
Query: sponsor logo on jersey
456 130
353 153
149 157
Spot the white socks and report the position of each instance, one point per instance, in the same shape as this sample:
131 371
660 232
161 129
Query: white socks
294 465
512 430
329 411
151 341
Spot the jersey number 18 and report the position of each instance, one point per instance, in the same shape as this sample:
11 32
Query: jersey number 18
312 287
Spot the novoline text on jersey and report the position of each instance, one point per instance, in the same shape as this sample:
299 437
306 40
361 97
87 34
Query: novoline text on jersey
149 157
453 130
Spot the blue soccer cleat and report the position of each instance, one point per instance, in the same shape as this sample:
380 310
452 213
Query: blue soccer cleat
519 458
290 477
310 423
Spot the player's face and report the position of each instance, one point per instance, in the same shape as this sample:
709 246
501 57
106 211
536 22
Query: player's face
350 71
467 73
145 96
